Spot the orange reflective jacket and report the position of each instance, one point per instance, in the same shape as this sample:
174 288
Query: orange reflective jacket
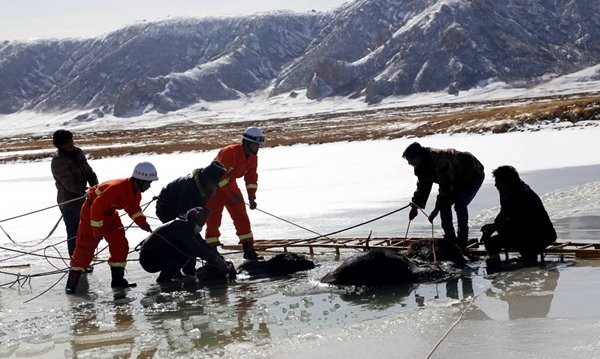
233 159
109 196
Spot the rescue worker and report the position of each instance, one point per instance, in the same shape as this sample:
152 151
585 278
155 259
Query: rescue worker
172 246
72 174
99 219
522 223
459 176
240 160
188 192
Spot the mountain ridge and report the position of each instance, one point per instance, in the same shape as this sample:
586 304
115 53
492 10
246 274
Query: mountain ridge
367 49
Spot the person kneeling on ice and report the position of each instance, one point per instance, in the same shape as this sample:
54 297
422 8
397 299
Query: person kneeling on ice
172 246
99 219
522 224
187 192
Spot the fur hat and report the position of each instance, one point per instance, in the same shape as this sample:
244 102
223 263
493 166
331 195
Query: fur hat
213 172
60 137
413 150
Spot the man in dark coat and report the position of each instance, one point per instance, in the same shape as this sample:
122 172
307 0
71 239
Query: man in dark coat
522 223
72 174
188 192
459 176
172 246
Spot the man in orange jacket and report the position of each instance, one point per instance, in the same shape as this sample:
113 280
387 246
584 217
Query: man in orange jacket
240 160
99 218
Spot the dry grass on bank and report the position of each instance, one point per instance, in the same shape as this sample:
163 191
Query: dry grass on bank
417 121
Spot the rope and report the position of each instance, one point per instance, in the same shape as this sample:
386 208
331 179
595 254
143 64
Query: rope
289 222
41 210
46 291
462 314
432 232
41 240
361 224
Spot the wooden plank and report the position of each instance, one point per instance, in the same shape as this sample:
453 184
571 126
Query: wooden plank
580 250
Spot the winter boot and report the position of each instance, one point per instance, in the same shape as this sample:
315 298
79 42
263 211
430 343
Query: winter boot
249 252
189 268
493 264
117 278
72 281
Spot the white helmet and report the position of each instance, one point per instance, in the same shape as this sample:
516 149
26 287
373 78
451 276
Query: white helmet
254 134
145 171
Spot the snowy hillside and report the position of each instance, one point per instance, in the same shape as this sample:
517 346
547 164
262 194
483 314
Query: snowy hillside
367 49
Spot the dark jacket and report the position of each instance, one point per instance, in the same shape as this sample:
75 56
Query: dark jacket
72 174
452 170
523 220
178 237
181 195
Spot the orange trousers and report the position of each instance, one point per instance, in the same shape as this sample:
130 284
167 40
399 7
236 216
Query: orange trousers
85 245
231 198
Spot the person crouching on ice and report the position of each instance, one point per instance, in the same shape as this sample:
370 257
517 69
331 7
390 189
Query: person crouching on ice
240 160
187 192
99 219
522 224
172 246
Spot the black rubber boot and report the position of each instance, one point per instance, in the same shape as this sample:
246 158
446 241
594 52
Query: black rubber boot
117 278
72 281
189 268
493 264
249 252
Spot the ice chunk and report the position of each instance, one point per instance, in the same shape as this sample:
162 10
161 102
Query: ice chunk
106 352
7 350
194 333
199 319
28 349
104 337
172 324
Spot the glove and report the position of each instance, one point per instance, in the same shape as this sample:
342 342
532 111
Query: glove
146 227
433 214
488 229
220 263
252 203
414 210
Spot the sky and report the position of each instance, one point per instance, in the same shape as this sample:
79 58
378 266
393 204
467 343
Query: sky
30 19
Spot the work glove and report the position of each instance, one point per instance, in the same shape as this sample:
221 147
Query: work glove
433 214
414 210
146 227
488 229
220 263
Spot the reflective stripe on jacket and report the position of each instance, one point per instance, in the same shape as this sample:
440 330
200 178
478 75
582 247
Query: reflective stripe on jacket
233 159
109 196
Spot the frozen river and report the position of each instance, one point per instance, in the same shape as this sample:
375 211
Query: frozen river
540 312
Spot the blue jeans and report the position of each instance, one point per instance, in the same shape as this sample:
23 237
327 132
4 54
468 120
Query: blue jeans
461 201
71 218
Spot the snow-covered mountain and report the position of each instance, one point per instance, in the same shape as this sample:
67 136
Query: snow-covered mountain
367 49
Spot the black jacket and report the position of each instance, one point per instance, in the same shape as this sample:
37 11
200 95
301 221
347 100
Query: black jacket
178 237
72 174
181 195
523 220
